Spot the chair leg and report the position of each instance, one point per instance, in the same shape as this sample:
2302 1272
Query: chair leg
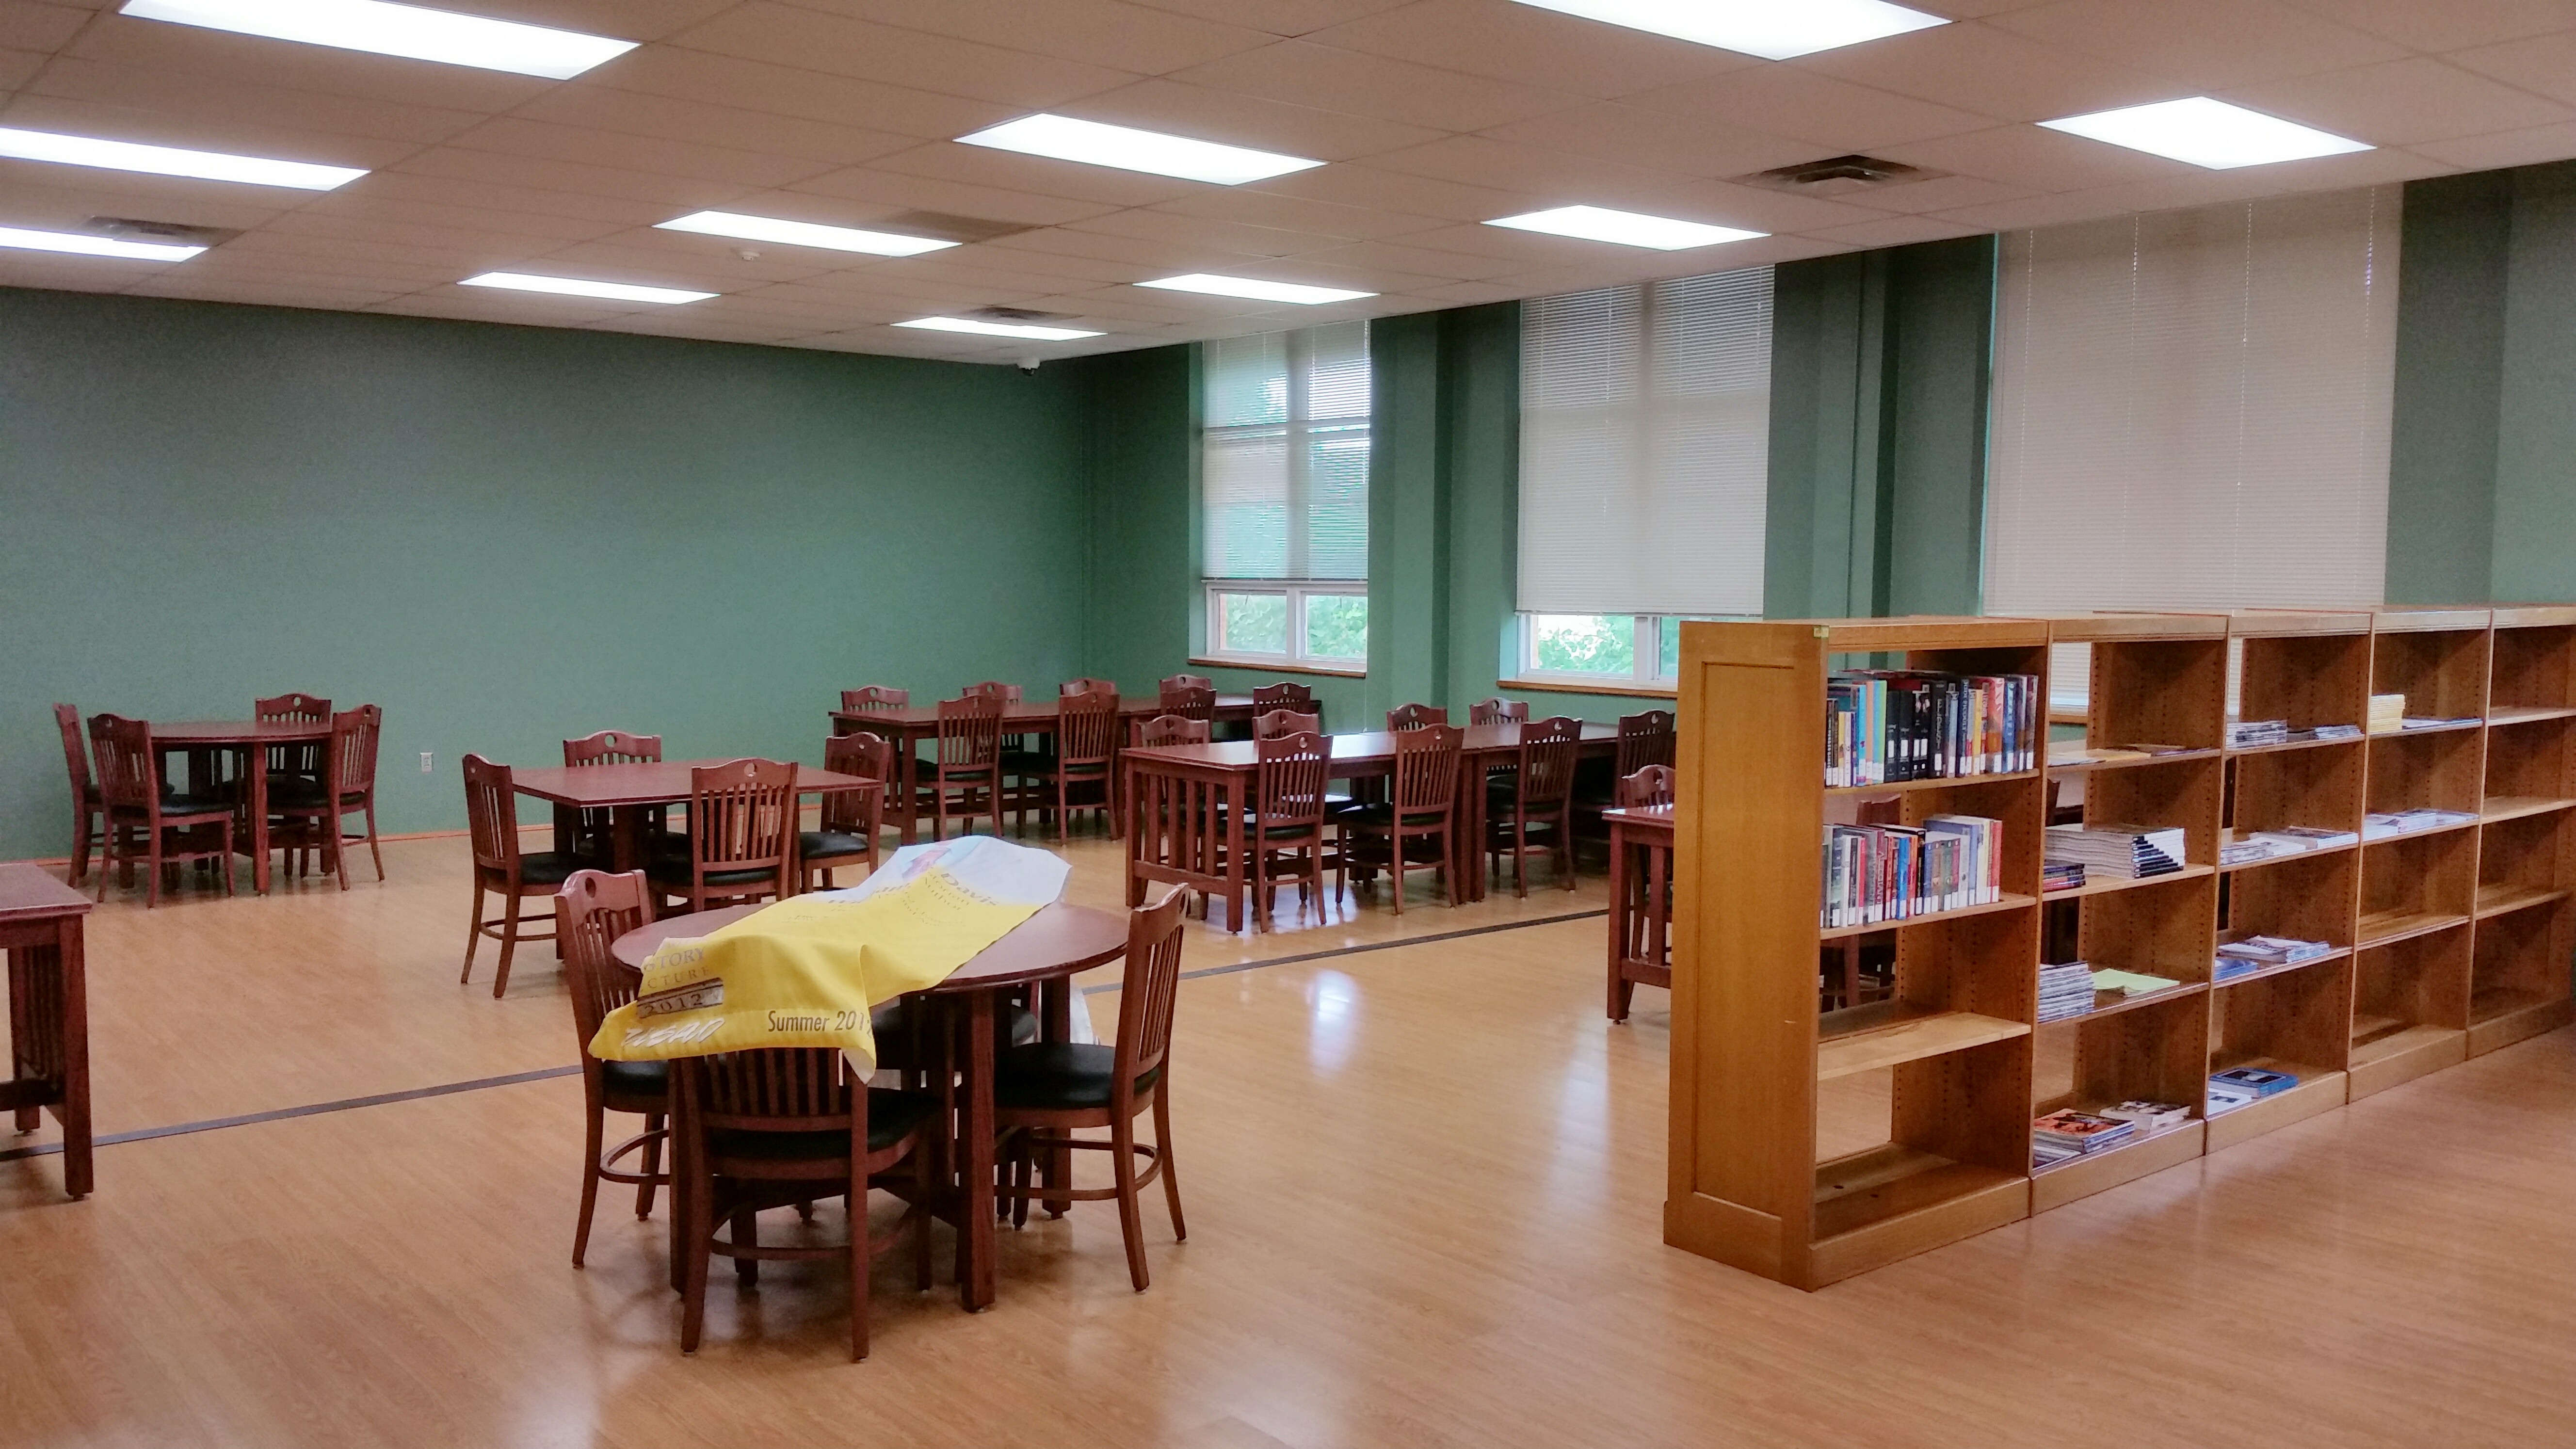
1163 1156
372 848
80 844
592 1135
473 933
152 887
857 1205
1131 1214
509 941
1520 855
339 860
922 1186
696 1251
746 1234
1023 1161
653 1122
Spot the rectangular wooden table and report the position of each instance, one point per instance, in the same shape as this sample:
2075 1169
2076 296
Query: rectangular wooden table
249 741
40 927
629 792
1175 791
909 726
1641 873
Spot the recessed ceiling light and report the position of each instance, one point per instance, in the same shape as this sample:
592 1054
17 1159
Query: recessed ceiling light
1254 288
406 30
1024 331
2207 133
1627 228
93 246
1772 29
171 160
580 287
804 234
1128 149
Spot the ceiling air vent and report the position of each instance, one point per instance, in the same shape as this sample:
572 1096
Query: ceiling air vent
1836 175
1018 316
946 226
127 228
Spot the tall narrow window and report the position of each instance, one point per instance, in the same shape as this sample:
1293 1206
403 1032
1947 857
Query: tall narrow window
1284 465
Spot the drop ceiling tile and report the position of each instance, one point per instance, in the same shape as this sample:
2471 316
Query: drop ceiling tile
1133 251
1532 46
539 173
1110 33
2505 148
282 269
1756 208
510 135
982 166
1373 186
1224 236
289 246
482 304
27 25
428 193
620 19
211 98
323 297
1295 213
2544 63
696 329
55 272
890 193
1941 193
1684 145
421 223
2332 173
674 119
2029 156
16 66
999 262
195 50
667 259
2403 102
1827 116
1429 261
997 278
813 41
2023 213
2450 24
1363 84
1898 231
1278 17
2204 44
1245 120
1992 73
726 80
1471 294
1500 165
1125 307
204 133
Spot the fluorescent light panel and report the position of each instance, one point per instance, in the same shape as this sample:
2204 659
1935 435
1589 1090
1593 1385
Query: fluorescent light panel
2207 133
405 30
582 287
1023 331
1627 228
1128 149
804 234
1255 288
1772 29
94 246
171 161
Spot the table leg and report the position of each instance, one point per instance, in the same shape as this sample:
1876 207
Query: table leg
626 845
1237 794
1622 923
70 979
1468 853
256 766
975 1229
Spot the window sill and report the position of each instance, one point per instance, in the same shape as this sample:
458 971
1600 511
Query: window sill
1586 686
1282 667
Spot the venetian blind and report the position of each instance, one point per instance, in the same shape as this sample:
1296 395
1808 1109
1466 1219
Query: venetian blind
1284 446
1645 447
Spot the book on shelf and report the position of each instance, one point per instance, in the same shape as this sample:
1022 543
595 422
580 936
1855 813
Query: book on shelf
2060 875
2225 1097
2246 734
1888 873
2065 989
2434 722
2068 1133
2380 825
2327 732
2387 713
2256 1080
2117 852
2149 1116
2256 953
2132 983
1886 726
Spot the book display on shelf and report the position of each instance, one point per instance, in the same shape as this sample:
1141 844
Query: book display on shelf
2351 901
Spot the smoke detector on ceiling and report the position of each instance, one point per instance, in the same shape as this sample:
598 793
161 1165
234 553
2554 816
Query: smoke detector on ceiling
1836 175
174 233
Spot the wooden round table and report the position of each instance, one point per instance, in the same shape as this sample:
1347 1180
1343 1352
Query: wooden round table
1046 951
250 739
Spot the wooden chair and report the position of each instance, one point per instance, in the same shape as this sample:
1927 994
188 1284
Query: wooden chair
1288 695
874 699
742 837
1189 701
1043 1094
143 823
1189 681
492 820
1173 729
1421 810
1285 831
1414 717
1007 693
1086 751
1539 791
847 831
312 813
89 813
1499 710
967 759
1645 738
584 832
1072 687
1652 785
299 762
1279 722
592 910
782 1126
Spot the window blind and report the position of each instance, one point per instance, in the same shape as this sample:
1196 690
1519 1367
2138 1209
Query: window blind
2191 409
1285 454
1645 447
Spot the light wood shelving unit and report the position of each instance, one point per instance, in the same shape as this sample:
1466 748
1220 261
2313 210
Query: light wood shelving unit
2447 943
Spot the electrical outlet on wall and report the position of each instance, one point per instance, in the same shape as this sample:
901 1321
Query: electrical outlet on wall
424 761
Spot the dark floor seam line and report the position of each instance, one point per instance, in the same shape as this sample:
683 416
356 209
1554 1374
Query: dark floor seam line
1368 946
282 1114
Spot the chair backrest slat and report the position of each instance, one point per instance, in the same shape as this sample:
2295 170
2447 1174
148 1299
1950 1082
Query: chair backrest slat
1086 731
872 698
1286 722
292 709
970 731
1174 729
592 910
613 747
1151 989
1426 768
1645 739
354 735
128 775
770 1089
491 815
75 754
870 757
742 814
1498 710
1652 785
1290 783
1548 750
1415 716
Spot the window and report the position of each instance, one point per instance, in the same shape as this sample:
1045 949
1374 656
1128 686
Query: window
1645 448
1637 649
1284 465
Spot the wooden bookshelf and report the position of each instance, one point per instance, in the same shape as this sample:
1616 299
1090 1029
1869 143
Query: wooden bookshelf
2445 943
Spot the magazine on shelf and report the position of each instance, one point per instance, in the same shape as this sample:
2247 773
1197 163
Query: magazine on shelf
2117 852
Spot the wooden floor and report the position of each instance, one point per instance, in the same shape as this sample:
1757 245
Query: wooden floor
1424 1183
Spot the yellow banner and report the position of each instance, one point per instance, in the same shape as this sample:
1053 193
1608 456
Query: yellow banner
805 971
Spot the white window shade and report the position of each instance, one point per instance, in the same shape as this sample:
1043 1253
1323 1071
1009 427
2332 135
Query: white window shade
1285 455
2191 409
1645 447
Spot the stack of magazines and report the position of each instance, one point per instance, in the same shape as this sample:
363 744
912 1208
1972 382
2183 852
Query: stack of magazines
2060 875
2065 989
2286 840
2064 1134
2248 733
2150 1116
2380 826
2257 953
2117 852
2238 1086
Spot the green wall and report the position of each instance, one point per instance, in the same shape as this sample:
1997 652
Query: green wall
508 535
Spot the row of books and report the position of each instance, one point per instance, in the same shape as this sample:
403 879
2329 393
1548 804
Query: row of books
2069 1133
1888 725
2243 1086
1875 873
2254 845
2258 953
2252 734
2060 875
2116 852
2380 826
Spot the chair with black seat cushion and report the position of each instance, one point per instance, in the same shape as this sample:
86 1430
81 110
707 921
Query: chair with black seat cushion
1498 710
301 761
847 832
742 838
492 822
1645 738
1284 832
145 822
1086 751
592 910
1416 826
1044 1094
781 1127
1537 792
1414 717
89 816
585 832
311 813
966 763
